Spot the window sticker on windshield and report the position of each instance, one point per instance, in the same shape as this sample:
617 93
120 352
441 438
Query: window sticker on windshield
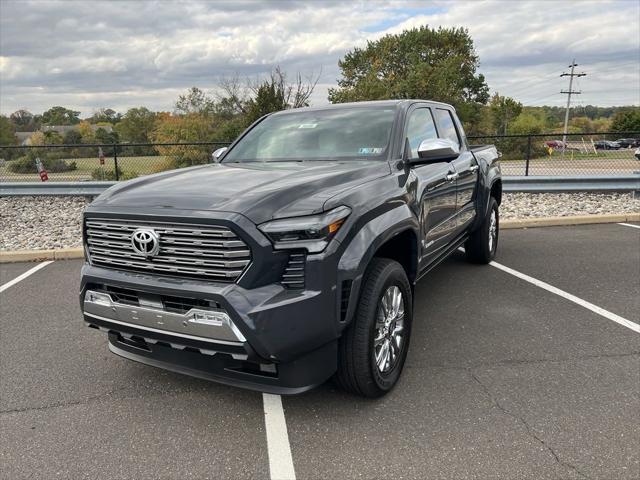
370 150
308 125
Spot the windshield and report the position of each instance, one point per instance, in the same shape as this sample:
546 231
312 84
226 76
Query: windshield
334 134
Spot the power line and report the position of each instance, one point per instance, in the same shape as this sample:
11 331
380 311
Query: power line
569 93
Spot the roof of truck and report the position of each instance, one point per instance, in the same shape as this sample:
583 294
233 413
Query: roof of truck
374 103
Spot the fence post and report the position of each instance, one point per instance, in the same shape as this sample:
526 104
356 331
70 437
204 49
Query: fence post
115 161
526 168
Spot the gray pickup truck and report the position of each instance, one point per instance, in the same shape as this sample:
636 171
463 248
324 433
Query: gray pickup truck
293 257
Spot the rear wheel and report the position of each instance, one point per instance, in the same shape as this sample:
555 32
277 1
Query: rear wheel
483 243
373 349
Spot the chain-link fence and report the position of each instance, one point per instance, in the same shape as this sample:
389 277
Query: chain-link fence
571 155
544 154
98 161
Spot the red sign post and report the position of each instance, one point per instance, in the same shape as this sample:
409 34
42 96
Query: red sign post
41 171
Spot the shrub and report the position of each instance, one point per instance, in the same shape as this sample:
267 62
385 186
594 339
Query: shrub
110 175
27 164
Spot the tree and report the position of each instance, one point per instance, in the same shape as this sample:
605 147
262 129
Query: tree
626 120
136 125
104 136
275 93
503 111
192 127
194 101
72 137
60 116
527 123
105 115
418 63
7 131
25 121
86 132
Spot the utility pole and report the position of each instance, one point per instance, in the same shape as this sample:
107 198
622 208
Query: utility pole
569 93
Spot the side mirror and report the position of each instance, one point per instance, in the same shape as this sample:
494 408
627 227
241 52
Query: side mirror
437 150
215 156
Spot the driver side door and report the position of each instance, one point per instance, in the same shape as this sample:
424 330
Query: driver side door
436 194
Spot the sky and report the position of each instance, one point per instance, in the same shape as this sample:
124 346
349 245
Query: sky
88 55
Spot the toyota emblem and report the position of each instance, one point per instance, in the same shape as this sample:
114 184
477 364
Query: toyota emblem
145 242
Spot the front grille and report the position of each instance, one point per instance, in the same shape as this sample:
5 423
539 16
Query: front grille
293 276
186 250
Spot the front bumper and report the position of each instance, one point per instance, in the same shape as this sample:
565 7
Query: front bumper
276 340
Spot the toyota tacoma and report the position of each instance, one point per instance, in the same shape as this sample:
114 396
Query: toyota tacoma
294 255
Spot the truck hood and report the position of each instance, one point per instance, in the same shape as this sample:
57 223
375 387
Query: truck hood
260 191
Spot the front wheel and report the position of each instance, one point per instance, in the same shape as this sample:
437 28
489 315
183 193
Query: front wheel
374 347
483 243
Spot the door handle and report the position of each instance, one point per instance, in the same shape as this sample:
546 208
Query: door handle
474 168
451 177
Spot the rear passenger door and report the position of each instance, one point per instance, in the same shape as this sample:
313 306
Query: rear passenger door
436 194
466 168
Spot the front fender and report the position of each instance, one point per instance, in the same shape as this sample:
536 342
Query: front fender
362 248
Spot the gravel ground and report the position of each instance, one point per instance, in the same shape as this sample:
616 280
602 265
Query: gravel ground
40 223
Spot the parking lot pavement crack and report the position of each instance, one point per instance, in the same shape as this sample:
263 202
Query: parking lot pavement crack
84 401
526 425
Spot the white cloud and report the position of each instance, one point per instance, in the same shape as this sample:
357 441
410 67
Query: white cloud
88 55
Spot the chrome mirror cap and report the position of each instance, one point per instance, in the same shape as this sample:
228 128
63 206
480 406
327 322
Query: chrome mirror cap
215 156
438 150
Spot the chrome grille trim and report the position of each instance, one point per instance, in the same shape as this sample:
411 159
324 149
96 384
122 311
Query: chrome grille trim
193 250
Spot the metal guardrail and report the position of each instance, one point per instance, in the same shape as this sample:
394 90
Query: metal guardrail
56 189
593 183
584 183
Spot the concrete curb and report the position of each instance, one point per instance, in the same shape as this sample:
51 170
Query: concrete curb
41 255
574 220
71 253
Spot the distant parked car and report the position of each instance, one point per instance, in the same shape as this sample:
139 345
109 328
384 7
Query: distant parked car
629 142
555 144
637 154
606 145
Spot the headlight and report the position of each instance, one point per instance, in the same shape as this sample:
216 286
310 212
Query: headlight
313 232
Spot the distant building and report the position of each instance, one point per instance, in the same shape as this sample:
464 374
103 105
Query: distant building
23 137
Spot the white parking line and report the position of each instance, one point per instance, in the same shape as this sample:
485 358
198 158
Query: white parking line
583 303
24 275
629 225
280 461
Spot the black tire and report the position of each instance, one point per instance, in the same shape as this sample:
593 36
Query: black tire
358 370
478 248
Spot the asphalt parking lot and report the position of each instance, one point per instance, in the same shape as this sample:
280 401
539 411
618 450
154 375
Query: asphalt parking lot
504 379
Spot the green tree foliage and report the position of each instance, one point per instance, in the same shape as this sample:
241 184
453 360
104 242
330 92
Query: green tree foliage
72 137
418 63
25 121
194 101
52 138
60 116
626 120
275 93
136 125
104 136
105 115
503 111
7 131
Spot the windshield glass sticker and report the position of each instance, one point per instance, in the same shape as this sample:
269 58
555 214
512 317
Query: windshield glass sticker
308 125
370 150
